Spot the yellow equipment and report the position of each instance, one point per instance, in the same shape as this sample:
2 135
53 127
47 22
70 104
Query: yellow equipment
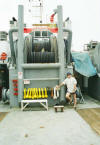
35 93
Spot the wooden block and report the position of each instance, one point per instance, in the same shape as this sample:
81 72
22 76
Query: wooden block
59 107
62 109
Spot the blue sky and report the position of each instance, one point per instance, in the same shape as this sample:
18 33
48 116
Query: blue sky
84 14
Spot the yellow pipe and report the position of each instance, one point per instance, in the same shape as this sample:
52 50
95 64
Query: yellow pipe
46 96
34 93
28 91
24 93
42 92
39 92
37 95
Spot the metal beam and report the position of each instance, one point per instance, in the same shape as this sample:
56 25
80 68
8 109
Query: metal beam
69 44
40 66
12 44
61 50
20 51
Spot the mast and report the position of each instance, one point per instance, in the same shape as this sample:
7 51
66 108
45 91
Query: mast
36 10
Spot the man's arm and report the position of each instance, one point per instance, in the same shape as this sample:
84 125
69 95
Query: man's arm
60 85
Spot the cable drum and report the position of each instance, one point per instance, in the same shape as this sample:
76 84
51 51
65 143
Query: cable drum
28 49
40 44
29 57
52 57
54 47
40 50
41 57
47 57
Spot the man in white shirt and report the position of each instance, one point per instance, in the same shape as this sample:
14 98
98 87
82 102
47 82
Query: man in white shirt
71 83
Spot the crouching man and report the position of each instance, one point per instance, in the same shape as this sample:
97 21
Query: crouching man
71 83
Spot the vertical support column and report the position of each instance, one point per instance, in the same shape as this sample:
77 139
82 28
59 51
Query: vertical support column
20 51
61 50
69 46
12 76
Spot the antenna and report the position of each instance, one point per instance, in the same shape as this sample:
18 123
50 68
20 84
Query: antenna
36 9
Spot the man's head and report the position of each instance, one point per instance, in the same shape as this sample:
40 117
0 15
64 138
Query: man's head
69 75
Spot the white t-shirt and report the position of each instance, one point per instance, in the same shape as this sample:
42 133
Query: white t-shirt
70 82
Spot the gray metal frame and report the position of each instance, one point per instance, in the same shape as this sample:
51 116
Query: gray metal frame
39 75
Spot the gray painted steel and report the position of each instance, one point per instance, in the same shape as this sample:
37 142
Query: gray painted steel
29 66
41 75
12 44
12 76
20 50
94 82
68 128
69 39
95 56
61 47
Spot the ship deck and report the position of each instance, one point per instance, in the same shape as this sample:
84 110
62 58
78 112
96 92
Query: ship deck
39 127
